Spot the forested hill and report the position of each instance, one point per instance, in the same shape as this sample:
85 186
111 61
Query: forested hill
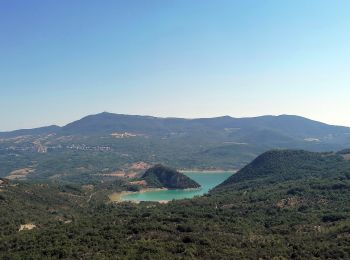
160 176
284 205
278 166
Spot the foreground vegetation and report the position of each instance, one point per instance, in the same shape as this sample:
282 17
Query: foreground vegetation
286 204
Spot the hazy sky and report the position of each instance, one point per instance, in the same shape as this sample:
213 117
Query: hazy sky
61 60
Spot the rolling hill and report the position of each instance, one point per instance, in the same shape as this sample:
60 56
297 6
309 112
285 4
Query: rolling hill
160 176
277 166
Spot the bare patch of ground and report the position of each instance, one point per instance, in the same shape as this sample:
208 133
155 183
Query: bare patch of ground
290 202
131 174
142 183
27 227
117 196
88 187
20 173
346 157
123 135
139 166
113 174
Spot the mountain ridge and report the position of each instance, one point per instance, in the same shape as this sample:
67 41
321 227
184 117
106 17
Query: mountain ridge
119 140
106 122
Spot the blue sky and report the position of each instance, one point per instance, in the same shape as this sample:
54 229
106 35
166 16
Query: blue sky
61 60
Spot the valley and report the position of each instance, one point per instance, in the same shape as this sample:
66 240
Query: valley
78 193
284 204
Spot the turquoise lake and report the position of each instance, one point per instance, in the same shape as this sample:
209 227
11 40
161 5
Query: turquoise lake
207 180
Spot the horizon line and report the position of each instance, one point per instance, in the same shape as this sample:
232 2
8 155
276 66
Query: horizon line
166 117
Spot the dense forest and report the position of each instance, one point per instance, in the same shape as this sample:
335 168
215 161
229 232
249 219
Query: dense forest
285 204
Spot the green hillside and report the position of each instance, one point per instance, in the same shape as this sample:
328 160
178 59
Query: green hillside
283 205
288 165
160 176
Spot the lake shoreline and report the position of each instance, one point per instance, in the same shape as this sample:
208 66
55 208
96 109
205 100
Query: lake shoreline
207 180
117 197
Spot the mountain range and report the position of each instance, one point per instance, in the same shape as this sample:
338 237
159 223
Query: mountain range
106 143
264 129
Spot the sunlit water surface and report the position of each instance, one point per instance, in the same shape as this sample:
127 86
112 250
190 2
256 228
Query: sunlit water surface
207 180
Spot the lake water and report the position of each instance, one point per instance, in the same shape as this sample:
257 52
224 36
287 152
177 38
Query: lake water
207 180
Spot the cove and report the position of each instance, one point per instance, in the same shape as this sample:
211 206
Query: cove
207 180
